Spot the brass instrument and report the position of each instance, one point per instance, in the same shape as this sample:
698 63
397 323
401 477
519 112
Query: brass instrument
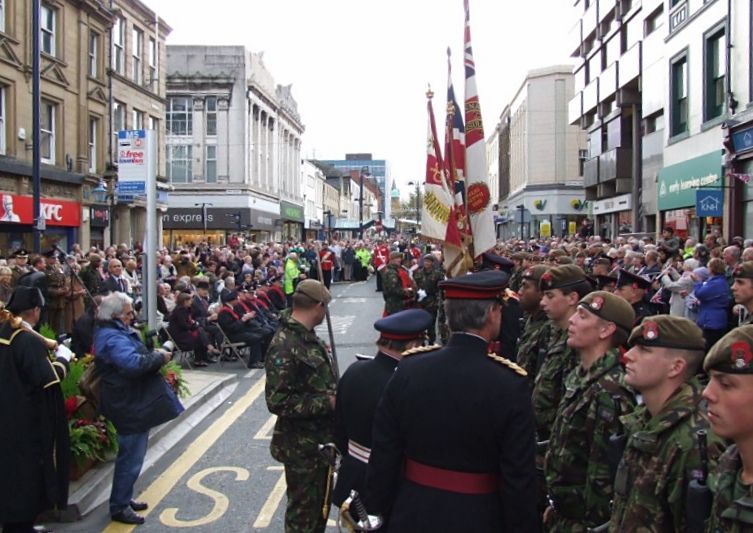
16 322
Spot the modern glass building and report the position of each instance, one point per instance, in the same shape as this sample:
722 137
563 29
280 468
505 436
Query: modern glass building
379 169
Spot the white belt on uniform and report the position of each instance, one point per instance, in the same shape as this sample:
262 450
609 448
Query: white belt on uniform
358 451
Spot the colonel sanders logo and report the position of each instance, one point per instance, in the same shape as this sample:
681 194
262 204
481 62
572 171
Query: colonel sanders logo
597 303
741 354
650 330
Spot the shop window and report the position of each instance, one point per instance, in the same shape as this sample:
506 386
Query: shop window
714 74
179 115
679 93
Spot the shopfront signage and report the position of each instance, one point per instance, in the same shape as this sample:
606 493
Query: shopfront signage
99 216
136 161
678 183
293 212
709 202
742 140
623 202
20 210
217 218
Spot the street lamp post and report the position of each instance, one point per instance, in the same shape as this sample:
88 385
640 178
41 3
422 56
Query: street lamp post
204 206
522 215
106 194
418 202
364 172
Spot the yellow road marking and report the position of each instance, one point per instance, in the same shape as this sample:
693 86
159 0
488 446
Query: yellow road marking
273 500
161 486
265 432
169 516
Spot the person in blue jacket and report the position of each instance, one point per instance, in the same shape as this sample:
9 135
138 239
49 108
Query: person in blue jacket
713 297
134 397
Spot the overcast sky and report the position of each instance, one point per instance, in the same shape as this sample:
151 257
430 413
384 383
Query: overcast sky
360 68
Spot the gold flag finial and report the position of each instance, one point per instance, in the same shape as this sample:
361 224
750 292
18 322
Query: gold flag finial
429 92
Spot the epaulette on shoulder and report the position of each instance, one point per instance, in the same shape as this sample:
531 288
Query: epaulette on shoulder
509 364
421 349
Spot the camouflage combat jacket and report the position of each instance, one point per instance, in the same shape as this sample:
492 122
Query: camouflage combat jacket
732 510
549 385
576 465
58 285
429 282
392 289
534 343
300 381
660 460
516 279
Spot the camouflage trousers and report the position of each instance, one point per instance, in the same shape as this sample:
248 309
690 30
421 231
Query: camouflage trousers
306 487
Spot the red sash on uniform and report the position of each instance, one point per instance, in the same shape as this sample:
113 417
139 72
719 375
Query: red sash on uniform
450 480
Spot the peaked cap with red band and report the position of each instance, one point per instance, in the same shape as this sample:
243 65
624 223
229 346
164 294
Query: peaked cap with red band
404 326
486 285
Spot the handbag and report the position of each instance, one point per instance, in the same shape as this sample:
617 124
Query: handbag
89 384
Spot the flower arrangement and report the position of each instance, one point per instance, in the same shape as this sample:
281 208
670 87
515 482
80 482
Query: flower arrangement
173 374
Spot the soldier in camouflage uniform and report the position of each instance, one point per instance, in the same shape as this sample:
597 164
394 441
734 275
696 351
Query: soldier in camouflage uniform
521 262
428 278
300 390
534 341
729 395
562 288
58 286
91 276
394 289
661 456
742 288
577 464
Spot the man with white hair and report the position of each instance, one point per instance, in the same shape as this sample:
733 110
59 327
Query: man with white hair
748 253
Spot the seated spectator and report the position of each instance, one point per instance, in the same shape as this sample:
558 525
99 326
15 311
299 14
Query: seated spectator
186 332
236 326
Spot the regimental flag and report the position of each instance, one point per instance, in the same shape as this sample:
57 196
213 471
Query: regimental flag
454 154
438 221
478 201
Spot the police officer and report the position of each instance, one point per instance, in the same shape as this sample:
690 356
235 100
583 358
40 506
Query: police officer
360 389
452 444
632 288
662 457
34 455
577 461
729 394
300 390
536 335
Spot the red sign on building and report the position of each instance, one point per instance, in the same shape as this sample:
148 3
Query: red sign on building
20 210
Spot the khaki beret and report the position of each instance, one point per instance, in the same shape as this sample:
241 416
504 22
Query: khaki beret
611 308
314 290
744 270
668 331
561 277
733 353
396 255
534 273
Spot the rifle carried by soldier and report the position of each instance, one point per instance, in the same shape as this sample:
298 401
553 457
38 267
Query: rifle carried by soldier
699 497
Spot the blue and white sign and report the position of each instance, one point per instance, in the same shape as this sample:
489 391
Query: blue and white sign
137 159
709 202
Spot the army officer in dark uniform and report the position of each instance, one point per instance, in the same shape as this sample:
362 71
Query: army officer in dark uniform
632 288
360 389
506 343
453 439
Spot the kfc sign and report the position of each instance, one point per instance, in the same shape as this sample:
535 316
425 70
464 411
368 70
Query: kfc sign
20 210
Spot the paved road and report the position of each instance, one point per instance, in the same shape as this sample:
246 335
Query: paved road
220 477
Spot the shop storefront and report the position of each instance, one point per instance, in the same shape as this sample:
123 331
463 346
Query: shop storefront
739 161
99 221
186 226
62 218
613 216
293 217
677 194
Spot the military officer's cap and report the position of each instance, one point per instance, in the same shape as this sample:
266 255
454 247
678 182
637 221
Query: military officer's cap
229 296
405 325
534 273
561 277
602 281
396 255
628 278
611 308
314 290
21 252
495 262
733 353
668 331
744 270
486 285
24 298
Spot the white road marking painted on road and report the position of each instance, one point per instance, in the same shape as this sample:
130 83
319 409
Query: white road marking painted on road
353 301
340 325
265 432
273 500
169 516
